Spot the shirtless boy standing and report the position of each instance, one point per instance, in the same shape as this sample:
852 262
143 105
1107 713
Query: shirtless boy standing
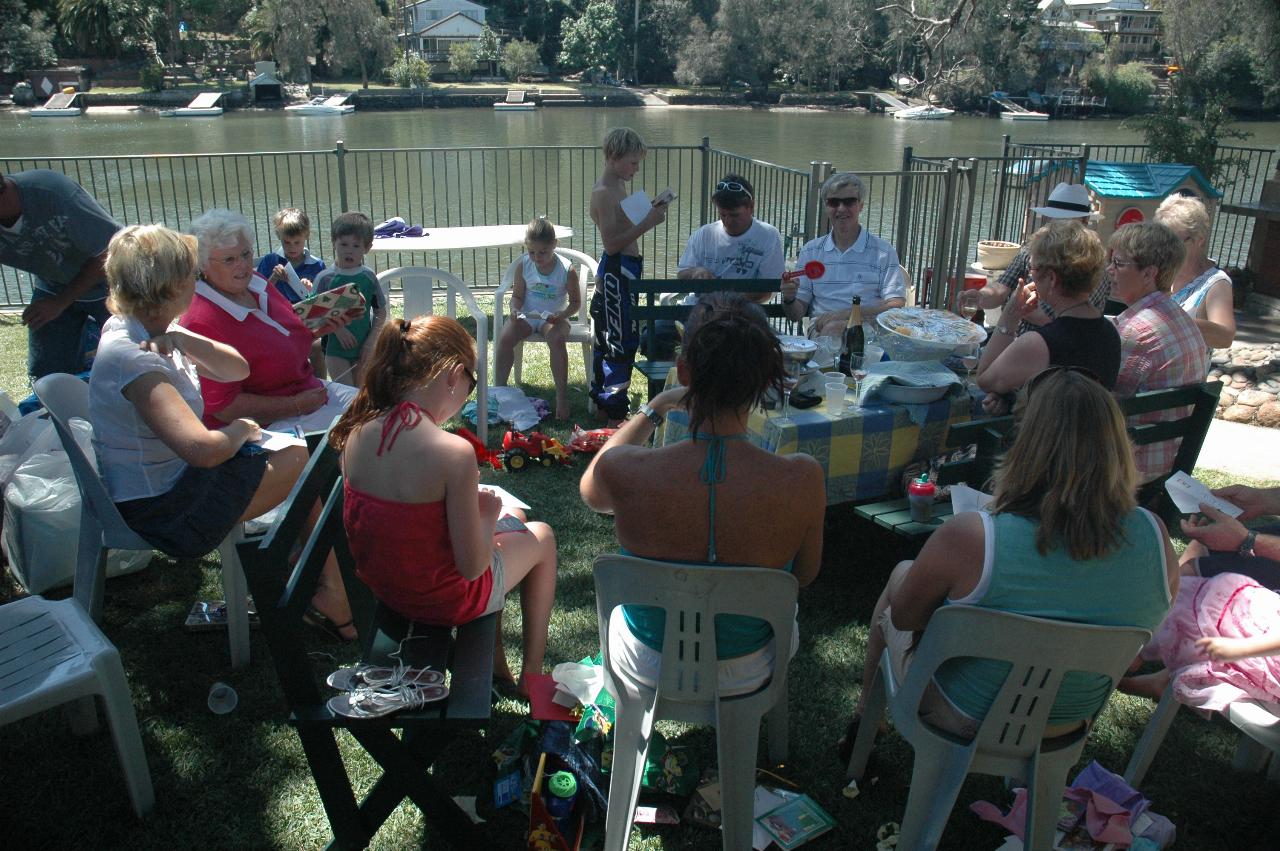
616 339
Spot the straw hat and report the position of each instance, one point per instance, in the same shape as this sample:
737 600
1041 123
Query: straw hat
1067 201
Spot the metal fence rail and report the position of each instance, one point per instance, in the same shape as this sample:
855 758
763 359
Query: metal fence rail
932 209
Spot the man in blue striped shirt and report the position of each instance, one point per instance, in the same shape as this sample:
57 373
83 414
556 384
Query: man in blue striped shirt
855 263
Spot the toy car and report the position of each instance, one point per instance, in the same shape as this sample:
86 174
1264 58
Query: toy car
519 450
589 441
483 453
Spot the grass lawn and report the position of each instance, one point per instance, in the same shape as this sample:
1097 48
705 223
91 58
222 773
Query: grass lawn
241 780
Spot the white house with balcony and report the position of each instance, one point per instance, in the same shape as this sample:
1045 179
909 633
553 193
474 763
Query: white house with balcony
432 26
1131 25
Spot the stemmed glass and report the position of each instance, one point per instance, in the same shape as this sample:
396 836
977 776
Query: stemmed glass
968 304
794 369
858 372
969 357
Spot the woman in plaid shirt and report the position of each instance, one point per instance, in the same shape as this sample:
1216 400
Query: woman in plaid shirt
1160 345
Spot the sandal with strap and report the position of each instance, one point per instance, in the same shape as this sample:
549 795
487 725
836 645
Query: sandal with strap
321 622
380 676
375 703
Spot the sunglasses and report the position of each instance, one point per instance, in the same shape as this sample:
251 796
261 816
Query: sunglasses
731 186
472 377
847 202
1121 264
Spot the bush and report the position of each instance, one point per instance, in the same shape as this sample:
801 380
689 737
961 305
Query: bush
410 71
151 76
1129 88
519 58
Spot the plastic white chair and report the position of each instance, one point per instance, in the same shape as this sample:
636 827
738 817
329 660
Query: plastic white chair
579 329
1259 722
52 654
419 285
102 528
688 688
1010 742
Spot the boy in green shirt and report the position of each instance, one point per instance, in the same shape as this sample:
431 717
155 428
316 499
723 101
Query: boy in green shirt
347 349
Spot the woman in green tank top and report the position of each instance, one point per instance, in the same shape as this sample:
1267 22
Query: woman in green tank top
1062 539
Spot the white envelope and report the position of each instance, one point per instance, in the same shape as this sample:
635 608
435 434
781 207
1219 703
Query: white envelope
1188 494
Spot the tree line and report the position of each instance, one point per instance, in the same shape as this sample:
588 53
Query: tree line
960 49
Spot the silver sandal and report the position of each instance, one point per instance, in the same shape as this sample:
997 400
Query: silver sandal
377 702
380 676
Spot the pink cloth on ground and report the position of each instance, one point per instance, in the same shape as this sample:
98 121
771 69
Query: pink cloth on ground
1231 606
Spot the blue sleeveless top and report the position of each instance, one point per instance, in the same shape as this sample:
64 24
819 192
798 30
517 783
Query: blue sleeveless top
736 635
1126 587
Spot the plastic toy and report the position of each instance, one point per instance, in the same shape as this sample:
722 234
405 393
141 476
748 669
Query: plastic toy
483 454
519 450
589 441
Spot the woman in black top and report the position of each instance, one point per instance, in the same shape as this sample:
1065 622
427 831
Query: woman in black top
1066 262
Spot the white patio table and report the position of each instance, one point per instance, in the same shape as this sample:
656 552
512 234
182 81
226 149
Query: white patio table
462 238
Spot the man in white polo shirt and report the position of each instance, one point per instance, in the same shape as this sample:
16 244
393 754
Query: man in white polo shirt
855 263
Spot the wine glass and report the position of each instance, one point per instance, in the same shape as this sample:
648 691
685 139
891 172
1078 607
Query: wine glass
790 379
969 358
858 372
968 301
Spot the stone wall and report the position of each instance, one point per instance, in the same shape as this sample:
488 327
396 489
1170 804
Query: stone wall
1250 376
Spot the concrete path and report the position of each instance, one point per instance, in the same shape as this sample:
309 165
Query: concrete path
1242 450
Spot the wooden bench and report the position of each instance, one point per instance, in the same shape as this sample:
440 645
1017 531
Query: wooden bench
990 437
283 590
649 310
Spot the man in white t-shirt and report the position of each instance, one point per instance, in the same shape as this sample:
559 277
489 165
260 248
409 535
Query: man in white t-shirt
737 246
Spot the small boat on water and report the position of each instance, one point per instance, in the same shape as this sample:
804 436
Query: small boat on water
515 102
204 106
1026 115
61 105
926 112
321 105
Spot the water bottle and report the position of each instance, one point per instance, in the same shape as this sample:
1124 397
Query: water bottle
562 789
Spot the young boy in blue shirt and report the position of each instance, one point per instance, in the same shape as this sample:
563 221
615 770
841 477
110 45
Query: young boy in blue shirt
292 268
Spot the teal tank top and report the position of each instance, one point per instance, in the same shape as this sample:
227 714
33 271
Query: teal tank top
736 635
1127 587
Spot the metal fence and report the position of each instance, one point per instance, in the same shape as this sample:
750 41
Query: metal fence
1006 187
932 209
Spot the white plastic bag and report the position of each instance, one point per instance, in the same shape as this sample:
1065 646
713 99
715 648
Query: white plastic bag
26 436
42 518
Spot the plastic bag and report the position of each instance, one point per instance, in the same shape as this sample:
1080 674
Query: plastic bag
42 519
26 436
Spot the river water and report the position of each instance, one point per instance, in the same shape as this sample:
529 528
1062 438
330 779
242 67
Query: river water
786 137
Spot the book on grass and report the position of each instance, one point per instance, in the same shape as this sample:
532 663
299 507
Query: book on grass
796 822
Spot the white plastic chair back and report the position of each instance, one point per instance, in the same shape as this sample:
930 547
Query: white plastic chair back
579 328
1010 741
688 683
1259 722
52 654
102 528
419 285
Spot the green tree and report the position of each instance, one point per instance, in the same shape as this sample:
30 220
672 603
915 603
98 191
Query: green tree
1208 39
703 59
519 58
359 36
1129 88
593 38
26 38
462 59
664 26
488 49
286 31
110 27
409 71
1179 132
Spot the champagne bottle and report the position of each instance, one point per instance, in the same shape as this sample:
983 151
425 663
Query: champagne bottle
855 339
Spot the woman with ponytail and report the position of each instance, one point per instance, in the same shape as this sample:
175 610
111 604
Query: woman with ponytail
716 499
426 540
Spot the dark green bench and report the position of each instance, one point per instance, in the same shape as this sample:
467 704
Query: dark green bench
647 311
990 436
283 590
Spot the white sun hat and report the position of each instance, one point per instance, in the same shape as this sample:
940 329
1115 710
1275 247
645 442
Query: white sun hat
1066 201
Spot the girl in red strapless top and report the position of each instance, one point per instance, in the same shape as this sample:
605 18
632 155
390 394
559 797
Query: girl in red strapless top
422 533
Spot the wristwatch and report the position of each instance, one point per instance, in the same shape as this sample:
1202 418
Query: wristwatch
1246 546
650 414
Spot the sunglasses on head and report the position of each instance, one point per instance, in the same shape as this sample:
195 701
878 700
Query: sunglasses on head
731 186
847 202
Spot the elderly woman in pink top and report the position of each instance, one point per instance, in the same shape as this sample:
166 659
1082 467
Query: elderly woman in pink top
234 305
